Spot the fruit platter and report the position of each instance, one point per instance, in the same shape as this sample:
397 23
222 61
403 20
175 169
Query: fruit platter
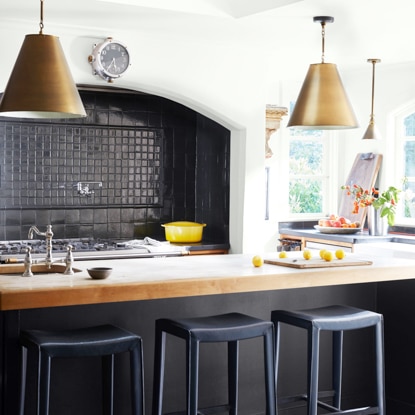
335 224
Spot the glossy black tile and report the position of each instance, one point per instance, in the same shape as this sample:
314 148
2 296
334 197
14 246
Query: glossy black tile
157 161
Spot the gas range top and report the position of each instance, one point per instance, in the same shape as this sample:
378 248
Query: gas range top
85 249
59 245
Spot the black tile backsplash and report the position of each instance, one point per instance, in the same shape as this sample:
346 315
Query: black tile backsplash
42 165
157 161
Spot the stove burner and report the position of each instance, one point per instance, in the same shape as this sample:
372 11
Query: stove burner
59 245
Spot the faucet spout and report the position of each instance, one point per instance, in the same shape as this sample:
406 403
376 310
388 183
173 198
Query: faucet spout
48 237
34 229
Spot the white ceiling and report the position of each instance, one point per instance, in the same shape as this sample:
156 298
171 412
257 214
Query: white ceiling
362 28
219 8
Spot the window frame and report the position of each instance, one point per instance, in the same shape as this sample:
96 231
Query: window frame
330 174
399 160
324 176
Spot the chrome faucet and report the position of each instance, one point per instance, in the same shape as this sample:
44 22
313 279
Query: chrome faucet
28 263
48 235
69 261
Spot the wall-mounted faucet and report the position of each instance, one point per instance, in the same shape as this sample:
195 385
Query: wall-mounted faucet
84 188
48 235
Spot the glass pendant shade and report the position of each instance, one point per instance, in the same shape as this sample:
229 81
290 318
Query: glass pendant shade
323 103
41 85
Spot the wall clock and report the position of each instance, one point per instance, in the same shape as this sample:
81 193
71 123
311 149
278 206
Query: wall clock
110 59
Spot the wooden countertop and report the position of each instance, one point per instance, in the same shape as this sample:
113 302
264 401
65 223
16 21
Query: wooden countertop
154 278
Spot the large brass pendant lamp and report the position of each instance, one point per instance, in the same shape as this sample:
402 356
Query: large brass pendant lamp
323 103
372 132
41 84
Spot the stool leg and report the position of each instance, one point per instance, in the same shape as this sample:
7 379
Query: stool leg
108 384
23 371
192 387
137 379
337 367
313 366
269 372
159 363
380 368
277 330
43 380
233 375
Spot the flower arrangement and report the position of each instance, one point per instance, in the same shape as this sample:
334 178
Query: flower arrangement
385 201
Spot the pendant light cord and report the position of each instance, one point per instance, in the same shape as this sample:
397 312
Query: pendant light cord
323 20
41 18
373 89
323 40
374 62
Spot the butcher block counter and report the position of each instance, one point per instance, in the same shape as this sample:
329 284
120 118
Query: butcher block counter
157 278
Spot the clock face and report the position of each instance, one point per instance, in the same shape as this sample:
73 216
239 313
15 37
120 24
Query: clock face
114 58
109 59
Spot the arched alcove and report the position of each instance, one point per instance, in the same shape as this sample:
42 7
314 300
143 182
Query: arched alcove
148 160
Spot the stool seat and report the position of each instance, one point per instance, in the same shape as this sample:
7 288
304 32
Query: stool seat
103 341
89 341
230 328
219 328
337 319
334 317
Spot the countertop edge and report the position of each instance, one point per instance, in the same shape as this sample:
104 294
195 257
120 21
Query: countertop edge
360 237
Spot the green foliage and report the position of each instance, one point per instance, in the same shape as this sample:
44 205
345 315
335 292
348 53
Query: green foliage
386 202
306 157
305 191
305 196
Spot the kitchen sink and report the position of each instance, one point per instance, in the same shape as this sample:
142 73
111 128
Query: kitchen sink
36 269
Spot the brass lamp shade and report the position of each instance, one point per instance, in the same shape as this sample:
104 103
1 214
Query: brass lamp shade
41 85
323 103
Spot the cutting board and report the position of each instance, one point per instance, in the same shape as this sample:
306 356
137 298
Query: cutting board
316 262
364 172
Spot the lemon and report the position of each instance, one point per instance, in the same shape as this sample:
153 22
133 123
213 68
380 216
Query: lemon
340 254
322 253
257 261
328 256
307 254
283 254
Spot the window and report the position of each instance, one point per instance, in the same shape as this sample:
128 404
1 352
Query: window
309 178
406 169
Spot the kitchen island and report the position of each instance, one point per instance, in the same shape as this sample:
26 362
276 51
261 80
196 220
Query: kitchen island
156 278
141 290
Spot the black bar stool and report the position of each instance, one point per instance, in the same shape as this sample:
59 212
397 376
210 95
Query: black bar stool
104 341
337 319
230 328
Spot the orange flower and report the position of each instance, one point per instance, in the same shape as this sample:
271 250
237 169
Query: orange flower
386 201
362 197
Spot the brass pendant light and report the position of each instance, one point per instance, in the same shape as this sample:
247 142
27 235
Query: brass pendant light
372 132
41 84
323 103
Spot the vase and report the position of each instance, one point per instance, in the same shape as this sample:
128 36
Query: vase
377 225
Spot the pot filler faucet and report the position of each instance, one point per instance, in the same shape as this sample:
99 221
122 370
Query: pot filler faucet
48 236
